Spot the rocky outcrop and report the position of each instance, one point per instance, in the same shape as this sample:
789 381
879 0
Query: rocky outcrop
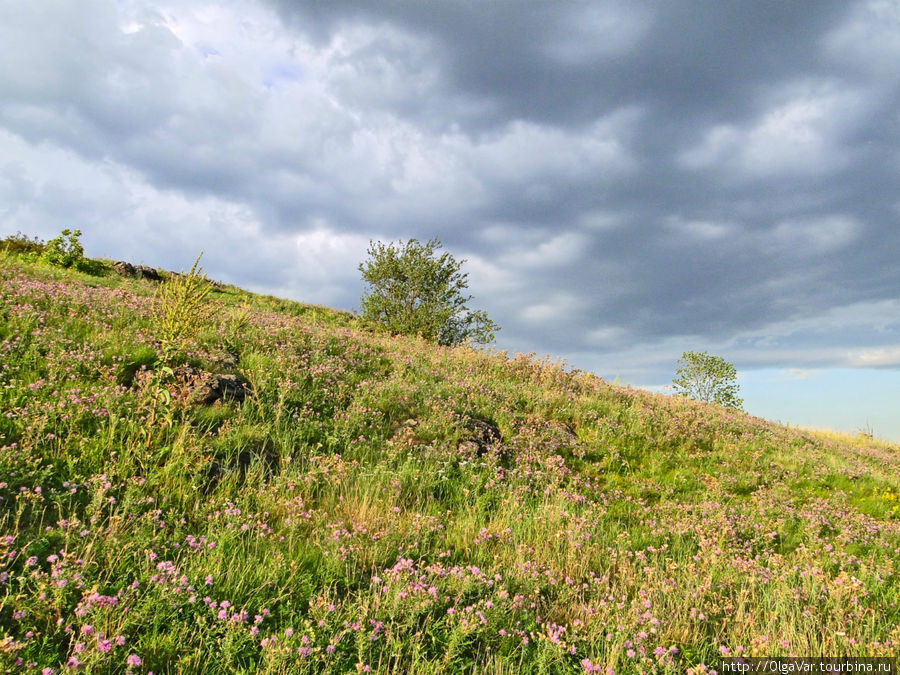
198 387
124 269
144 272
130 271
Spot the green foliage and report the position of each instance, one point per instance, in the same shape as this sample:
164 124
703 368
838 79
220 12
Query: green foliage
708 378
182 310
235 328
413 290
19 244
65 250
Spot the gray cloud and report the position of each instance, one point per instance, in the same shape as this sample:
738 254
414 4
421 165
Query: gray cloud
627 180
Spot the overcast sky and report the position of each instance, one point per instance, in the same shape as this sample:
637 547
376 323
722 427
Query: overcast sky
627 180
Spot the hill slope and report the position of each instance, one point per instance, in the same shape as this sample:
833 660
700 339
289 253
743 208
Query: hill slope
380 504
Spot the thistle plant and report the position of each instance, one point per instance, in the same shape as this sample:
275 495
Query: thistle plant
181 311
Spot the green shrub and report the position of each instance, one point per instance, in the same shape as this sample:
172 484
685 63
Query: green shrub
20 244
65 250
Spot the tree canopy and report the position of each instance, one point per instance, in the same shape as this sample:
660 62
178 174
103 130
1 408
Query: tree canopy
704 377
413 289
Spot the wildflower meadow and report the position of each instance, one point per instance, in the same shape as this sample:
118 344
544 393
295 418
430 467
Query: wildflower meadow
377 504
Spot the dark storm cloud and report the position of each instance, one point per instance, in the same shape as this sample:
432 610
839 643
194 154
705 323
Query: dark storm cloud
624 177
763 153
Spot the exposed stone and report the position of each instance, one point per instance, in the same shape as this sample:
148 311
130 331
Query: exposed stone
130 271
201 388
125 269
144 272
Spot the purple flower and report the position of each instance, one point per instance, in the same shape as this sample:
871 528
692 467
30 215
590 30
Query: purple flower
133 660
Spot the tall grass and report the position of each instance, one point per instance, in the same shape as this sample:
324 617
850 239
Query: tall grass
352 515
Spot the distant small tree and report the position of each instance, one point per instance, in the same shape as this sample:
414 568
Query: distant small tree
414 290
65 250
704 377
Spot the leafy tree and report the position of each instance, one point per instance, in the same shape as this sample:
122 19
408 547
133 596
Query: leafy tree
703 377
414 290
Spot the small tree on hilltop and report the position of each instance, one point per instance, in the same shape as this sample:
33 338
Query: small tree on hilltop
703 377
413 290
65 250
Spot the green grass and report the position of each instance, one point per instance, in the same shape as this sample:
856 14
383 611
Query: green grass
353 515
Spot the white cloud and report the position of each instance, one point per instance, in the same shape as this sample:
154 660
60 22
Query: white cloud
558 308
565 248
805 130
600 220
888 356
280 142
525 151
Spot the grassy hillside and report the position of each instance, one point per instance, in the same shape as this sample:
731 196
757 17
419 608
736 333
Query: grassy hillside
377 504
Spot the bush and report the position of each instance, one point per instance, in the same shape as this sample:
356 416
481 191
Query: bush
19 244
703 377
414 291
65 250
